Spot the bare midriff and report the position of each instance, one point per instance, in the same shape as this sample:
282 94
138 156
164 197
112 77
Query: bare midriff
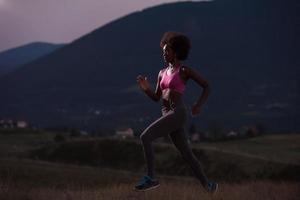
169 95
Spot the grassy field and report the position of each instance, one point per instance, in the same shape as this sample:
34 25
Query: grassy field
278 148
20 142
36 180
95 169
283 148
223 165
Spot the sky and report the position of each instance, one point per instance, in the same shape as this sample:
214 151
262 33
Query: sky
60 21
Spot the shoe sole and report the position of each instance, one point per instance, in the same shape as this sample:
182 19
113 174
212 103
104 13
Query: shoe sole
150 188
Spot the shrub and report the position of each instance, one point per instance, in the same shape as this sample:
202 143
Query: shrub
59 138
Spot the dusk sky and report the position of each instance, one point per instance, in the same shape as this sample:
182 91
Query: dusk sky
60 21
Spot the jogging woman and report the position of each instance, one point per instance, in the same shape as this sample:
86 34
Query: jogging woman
170 87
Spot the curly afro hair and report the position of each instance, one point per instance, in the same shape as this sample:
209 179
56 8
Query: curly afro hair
178 42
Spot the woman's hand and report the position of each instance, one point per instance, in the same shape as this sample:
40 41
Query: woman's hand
143 82
196 109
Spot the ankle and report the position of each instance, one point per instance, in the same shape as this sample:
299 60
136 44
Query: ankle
151 176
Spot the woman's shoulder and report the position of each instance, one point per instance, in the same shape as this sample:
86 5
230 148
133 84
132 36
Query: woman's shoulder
162 70
160 73
185 70
188 70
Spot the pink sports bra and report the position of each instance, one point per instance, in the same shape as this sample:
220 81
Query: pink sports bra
172 81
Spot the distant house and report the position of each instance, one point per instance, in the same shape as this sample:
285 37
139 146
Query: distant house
231 134
198 136
22 124
9 123
6 123
84 133
125 133
195 137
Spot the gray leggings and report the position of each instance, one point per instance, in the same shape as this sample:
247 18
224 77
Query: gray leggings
171 122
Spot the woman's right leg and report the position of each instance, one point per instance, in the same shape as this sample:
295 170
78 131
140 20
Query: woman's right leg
166 124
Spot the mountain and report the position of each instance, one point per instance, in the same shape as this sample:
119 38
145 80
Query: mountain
13 58
246 49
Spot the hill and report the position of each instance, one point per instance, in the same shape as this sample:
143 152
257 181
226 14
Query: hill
245 49
13 58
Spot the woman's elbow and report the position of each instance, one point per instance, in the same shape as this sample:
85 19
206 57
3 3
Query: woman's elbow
157 96
206 87
156 99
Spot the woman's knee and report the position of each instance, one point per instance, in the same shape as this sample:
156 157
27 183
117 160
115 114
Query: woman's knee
148 135
144 137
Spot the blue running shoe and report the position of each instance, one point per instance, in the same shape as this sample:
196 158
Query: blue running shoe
146 183
212 187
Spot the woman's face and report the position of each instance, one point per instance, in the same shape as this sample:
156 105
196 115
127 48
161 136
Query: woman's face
168 54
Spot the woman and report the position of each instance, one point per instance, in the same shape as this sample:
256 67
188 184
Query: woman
170 87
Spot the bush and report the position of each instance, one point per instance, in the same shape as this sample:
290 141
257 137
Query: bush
59 138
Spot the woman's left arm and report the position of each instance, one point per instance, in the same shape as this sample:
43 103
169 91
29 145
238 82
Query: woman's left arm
194 75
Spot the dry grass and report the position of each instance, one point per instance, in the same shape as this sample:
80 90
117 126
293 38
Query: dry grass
23 179
38 180
261 190
286 146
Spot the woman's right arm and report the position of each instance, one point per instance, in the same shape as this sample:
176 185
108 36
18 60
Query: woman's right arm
145 86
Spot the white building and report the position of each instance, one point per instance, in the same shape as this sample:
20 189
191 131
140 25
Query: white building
125 133
22 124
